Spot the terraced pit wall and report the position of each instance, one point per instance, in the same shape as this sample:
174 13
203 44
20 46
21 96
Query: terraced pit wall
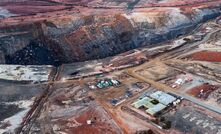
80 37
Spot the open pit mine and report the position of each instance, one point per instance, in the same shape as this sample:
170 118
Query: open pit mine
110 66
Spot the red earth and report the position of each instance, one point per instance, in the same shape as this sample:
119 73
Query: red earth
30 7
101 123
206 56
202 91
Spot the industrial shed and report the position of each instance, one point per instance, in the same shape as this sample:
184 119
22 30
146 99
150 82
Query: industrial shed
163 97
149 105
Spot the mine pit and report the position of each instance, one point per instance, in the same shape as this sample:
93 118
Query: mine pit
34 54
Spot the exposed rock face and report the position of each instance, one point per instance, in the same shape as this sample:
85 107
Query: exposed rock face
88 32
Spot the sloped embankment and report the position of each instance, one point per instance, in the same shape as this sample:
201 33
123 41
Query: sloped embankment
79 37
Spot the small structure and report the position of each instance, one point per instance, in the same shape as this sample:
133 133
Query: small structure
182 80
92 87
176 102
89 122
115 82
179 81
128 94
114 101
107 83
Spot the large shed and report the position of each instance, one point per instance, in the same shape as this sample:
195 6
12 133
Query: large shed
163 97
149 105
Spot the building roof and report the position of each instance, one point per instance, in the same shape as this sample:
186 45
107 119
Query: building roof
163 97
157 108
152 108
143 102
